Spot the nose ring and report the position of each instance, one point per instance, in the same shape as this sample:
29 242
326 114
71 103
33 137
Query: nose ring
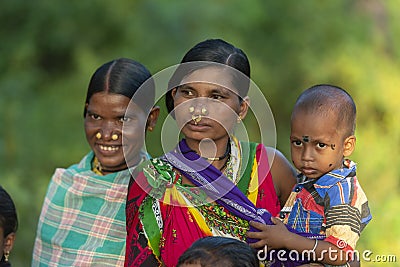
98 135
114 137
196 119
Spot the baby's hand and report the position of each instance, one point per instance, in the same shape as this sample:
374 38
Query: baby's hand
272 236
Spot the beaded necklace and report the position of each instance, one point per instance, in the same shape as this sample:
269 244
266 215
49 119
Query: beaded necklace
227 152
96 166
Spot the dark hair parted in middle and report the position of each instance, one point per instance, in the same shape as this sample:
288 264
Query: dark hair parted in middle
325 99
214 251
213 51
123 76
8 213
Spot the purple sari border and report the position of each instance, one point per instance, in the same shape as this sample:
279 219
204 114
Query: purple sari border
223 191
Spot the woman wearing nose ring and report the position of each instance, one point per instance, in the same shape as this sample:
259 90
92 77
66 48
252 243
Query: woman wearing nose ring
196 189
82 222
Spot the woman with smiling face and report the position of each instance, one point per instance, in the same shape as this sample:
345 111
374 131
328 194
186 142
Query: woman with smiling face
210 184
82 222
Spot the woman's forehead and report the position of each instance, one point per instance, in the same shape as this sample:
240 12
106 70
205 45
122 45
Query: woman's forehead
221 77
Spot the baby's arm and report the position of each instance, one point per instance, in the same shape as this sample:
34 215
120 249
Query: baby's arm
278 237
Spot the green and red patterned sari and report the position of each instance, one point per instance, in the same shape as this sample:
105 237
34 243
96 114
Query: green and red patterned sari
164 216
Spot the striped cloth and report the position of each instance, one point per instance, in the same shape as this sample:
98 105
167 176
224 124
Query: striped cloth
335 205
82 222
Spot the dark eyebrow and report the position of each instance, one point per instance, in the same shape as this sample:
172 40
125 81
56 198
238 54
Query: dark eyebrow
130 114
216 88
185 86
222 90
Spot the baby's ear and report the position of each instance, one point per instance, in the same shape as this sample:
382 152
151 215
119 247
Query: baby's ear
349 145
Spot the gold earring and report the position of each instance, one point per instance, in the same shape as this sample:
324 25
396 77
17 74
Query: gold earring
114 137
191 109
6 255
98 135
239 119
150 128
204 111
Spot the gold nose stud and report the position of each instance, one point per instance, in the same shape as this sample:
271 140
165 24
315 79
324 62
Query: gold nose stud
191 109
114 137
98 135
204 111
196 119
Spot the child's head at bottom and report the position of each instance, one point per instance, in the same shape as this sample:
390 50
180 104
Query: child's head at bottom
213 251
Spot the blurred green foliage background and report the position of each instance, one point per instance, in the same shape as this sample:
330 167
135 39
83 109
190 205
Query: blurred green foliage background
49 50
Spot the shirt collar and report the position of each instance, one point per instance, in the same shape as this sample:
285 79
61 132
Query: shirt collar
333 177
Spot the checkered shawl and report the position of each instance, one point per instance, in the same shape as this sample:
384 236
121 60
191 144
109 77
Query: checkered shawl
82 222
